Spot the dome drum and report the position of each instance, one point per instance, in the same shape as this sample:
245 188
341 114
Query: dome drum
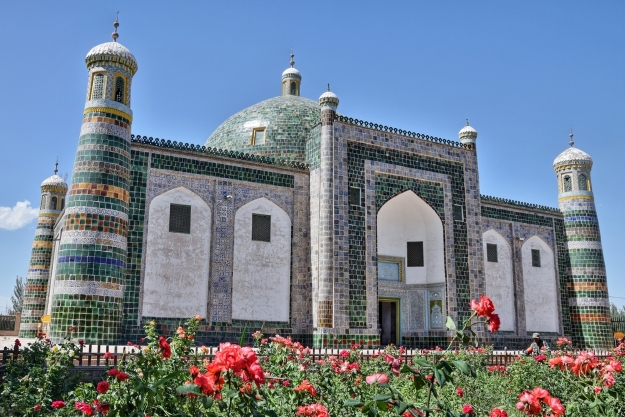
112 53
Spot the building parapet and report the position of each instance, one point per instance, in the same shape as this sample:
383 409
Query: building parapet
521 204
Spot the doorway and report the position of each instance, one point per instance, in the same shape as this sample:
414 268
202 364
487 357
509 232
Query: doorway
388 321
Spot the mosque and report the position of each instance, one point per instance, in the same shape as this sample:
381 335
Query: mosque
298 220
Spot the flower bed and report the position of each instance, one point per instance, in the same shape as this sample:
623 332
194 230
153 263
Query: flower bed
280 377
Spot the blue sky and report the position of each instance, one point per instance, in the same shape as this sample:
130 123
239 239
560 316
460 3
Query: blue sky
523 73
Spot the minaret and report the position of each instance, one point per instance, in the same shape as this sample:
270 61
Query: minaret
291 80
53 191
467 135
588 287
90 274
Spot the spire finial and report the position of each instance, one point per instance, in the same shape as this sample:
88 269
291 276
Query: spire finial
328 86
571 137
56 166
292 56
115 35
467 122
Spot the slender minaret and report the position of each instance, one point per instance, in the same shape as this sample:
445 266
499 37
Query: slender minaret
291 79
53 191
91 265
588 287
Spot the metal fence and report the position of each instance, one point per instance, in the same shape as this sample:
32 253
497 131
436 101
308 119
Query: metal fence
618 324
7 323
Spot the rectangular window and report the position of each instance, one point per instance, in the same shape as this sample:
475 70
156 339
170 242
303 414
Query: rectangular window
179 218
458 213
258 136
354 196
97 88
536 257
415 254
261 227
491 252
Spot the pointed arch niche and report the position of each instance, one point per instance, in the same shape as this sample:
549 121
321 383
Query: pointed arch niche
407 218
541 291
175 284
261 276
499 277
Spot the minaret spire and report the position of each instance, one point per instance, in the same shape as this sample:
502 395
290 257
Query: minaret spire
115 35
571 137
56 166
292 61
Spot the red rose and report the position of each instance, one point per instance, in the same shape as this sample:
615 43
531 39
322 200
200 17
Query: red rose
460 392
484 308
37 407
83 408
498 412
164 346
467 409
493 322
306 386
102 387
121 376
194 370
58 404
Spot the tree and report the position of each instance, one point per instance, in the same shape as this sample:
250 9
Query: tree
18 296
615 313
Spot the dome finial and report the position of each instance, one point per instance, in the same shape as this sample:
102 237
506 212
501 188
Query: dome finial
328 86
467 122
56 166
115 35
571 137
292 61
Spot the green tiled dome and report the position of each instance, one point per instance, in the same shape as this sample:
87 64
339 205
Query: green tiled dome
287 121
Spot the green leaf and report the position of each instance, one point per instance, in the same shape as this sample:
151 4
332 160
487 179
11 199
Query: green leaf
167 378
384 397
419 382
407 369
352 403
423 362
451 325
382 405
229 393
242 339
463 366
189 389
440 377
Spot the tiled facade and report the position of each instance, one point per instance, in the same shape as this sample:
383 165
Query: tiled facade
306 161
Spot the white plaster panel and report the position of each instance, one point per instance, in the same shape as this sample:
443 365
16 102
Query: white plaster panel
177 264
499 279
407 218
541 293
261 270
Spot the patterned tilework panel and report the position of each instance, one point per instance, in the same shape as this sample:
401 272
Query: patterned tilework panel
345 341
357 154
215 169
287 120
136 216
313 148
36 286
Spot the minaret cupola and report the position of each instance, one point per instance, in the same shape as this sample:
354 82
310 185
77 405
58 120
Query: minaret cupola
328 100
291 80
467 134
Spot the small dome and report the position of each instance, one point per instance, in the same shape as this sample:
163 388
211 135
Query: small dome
572 155
291 73
112 51
329 99
467 134
54 182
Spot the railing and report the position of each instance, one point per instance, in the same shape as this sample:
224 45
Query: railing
618 324
382 128
10 325
261 159
491 199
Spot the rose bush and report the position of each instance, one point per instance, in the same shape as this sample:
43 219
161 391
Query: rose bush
279 377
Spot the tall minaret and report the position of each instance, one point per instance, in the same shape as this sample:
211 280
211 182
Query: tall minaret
588 287
291 79
91 265
53 191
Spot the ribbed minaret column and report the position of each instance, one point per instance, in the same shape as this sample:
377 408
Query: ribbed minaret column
588 288
53 192
90 277
325 304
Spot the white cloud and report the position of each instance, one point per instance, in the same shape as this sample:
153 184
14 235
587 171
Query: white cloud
18 216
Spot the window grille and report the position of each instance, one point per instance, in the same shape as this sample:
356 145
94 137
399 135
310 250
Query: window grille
583 182
53 204
119 90
43 202
261 227
458 213
293 88
491 252
354 196
536 257
567 183
179 218
415 254
97 90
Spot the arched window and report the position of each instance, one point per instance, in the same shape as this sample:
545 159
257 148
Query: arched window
43 202
62 203
293 88
119 89
53 204
583 182
567 183
97 89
